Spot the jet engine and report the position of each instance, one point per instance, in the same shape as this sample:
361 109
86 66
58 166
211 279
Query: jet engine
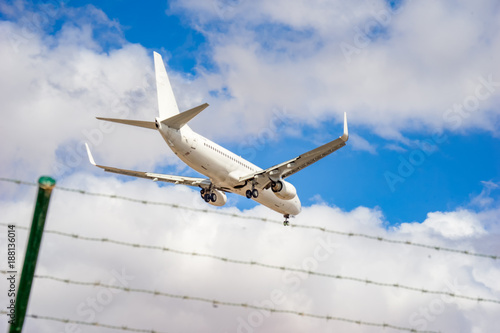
283 190
215 198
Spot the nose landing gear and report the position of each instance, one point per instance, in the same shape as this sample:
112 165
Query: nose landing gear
286 223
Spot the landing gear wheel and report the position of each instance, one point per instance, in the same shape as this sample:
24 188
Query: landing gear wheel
213 197
202 192
248 194
255 193
207 197
285 223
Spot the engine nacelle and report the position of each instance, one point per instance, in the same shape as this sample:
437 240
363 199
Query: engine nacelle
284 190
220 198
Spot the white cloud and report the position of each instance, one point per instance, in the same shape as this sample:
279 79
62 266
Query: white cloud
360 143
248 240
484 199
53 87
455 225
425 58
395 147
62 82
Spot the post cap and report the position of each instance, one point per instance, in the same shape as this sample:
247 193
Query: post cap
46 182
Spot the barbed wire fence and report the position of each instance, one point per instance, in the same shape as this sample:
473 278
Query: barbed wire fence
266 220
216 302
259 264
93 324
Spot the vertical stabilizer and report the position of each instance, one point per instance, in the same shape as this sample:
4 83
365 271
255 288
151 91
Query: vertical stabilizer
167 105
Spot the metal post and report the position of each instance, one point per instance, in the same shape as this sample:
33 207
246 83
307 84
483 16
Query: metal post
45 187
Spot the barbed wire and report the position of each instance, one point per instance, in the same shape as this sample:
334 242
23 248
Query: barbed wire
263 219
216 303
94 324
269 266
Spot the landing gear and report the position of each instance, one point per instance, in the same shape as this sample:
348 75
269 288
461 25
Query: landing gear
208 196
252 193
205 195
286 216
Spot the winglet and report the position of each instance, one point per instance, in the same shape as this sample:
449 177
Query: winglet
345 136
91 158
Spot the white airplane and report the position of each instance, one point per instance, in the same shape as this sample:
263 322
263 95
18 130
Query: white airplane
225 171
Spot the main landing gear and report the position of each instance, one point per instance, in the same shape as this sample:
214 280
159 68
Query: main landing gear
208 196
286 216
252 193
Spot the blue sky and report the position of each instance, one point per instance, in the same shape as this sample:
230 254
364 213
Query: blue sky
419 80
348 178
354 176
155 29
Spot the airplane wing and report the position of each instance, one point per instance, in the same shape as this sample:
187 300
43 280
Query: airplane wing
190 181
263 178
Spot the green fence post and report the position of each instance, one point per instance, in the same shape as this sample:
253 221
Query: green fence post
45 187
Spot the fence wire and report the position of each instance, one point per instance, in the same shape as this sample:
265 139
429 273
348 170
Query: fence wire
94 324
216 303
223 213
259 264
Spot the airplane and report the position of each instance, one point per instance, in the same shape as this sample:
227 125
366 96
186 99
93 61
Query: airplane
226 172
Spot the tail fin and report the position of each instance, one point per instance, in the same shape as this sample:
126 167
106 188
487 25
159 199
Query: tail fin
167 105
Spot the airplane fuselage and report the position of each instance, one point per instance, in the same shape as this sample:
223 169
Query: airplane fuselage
222 166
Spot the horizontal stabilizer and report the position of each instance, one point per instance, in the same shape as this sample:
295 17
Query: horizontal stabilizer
181 119
138 123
